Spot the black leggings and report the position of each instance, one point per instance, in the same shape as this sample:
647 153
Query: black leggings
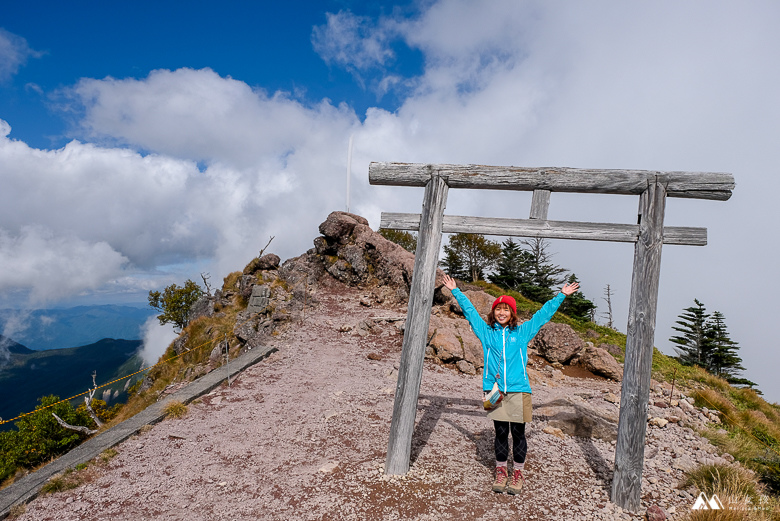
519 444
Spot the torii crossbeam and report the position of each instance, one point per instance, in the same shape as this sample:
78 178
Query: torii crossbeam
649 234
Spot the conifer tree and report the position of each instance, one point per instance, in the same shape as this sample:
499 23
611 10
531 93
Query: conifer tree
543 274
695 344
452 265
576 305
513 266
724 361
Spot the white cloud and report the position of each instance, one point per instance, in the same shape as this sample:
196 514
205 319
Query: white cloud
52 266
156 339
14 51
355 42
650 86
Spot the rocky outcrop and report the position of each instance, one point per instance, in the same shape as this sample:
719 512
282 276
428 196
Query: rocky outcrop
599 361
557 342
351 252
270 261
355 254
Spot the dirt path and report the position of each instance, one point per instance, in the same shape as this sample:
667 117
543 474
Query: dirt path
303 435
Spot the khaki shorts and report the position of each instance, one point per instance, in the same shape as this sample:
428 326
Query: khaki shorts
515 407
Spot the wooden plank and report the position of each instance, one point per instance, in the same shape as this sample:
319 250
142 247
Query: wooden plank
546 229
416 332
695 185
632 421
540 203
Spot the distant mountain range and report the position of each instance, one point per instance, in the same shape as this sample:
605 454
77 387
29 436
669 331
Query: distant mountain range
42 329
26 375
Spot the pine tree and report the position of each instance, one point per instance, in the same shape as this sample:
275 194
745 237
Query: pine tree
576 305
695 343
452 264
513 266
724 361
543 274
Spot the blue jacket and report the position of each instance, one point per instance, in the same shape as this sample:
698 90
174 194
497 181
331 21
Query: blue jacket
505 349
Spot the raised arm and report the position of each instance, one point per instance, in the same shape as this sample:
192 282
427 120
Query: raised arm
476 322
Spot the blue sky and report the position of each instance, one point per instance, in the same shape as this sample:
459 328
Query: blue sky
144 143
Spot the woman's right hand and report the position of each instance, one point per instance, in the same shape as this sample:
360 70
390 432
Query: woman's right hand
449 282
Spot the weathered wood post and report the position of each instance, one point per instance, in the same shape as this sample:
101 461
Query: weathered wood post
648 235
418 317
632 422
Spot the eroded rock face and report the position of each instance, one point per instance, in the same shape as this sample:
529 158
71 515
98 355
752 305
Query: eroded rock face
557 342
578 419
599 361
357 255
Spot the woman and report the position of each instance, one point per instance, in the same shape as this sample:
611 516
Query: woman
505 350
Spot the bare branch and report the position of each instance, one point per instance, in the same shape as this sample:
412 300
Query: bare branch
266 246
206 277
88 402
79 428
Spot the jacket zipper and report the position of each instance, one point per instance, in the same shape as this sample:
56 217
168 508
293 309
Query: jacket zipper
503 352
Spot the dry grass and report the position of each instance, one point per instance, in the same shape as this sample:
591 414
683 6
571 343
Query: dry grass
107 455
17 510
175 409
742 496
203 335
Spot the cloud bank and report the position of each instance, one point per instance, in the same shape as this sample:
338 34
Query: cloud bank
186 168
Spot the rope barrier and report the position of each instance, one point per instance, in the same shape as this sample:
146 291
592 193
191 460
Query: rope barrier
3 422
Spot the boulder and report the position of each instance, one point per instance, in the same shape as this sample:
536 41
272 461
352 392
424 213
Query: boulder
269 261
655 513
339 225
599 361
612 349
245 284
453 340
466 367
203 307
482 301
557 342
579 419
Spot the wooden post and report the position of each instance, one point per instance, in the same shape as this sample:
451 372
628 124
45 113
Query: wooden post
418 319
540 202
632 422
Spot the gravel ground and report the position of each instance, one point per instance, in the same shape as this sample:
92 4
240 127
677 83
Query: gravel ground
303 435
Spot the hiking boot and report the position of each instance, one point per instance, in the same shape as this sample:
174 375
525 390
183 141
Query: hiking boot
516 483
502 476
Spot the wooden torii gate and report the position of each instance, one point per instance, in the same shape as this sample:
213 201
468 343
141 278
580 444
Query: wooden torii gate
648 235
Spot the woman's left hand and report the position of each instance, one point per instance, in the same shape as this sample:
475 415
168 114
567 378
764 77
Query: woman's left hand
569 289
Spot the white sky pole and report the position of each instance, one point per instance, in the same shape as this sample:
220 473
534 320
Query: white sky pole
349 168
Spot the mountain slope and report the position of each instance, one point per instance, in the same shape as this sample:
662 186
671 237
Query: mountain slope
58 328
63 372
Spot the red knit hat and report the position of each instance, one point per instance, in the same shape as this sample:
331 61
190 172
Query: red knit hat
505 299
